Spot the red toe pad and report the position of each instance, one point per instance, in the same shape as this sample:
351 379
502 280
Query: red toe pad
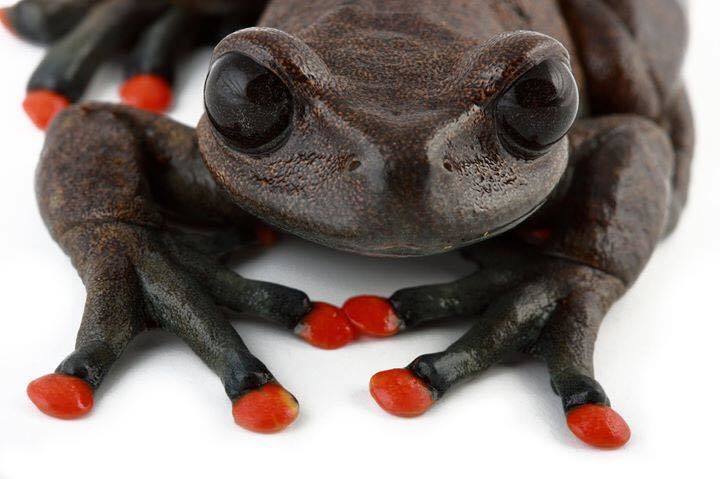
61 396
267 409
400 392
326 327
43 105
147 92
598 426
372 315
5 20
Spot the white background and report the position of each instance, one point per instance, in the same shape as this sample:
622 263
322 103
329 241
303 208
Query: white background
162 413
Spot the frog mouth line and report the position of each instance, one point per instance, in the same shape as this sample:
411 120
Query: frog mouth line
410 250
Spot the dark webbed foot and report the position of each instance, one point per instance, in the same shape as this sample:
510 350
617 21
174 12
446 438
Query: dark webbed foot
138 279
545 306
83 34
174 281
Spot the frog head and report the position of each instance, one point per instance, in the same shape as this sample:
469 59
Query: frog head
388 149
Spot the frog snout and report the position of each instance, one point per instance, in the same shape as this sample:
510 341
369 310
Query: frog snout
434 200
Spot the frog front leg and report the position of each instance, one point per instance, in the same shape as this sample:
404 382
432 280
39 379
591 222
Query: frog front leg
115 185
549 298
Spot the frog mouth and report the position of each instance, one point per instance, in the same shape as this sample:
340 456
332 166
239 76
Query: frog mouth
409 249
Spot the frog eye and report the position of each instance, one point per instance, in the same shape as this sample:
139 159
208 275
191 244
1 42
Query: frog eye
247 104
538 109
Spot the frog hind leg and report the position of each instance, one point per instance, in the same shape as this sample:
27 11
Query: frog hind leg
631 51
66 70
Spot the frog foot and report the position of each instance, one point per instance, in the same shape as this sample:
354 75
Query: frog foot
160 279
82 35
544 306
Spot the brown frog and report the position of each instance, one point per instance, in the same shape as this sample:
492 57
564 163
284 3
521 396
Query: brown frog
549 141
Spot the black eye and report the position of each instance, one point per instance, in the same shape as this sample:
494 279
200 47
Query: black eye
247 104
538 109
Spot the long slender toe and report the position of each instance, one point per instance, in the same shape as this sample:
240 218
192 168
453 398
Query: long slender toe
598 426
147 92
400 392
268 409
326 327
61 396
43 105
372 315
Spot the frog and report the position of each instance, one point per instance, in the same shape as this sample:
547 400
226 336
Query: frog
548 142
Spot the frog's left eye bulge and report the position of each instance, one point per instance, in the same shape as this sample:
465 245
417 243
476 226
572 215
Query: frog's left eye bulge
248 104
538 109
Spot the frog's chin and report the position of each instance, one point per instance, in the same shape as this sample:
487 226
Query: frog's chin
408 249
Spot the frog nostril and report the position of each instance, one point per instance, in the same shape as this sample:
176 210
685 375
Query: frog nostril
448 166
354 165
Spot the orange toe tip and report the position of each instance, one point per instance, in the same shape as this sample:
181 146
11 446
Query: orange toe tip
42 106
372 315
5 20
61 396
147 92
326 327
598 426
401 393
267 409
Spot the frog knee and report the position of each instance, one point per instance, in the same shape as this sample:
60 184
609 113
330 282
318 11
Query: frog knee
641 144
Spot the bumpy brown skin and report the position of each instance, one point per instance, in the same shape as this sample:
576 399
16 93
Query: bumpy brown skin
395 153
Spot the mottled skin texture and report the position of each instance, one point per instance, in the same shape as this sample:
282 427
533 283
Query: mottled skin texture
393 151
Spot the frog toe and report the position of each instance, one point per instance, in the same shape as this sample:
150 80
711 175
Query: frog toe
42 106
153 61
373 316
268 409
5 20
599 426
147 92
401 393
326 327
61 396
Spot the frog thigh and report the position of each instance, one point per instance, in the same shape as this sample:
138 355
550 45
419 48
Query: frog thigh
631 50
